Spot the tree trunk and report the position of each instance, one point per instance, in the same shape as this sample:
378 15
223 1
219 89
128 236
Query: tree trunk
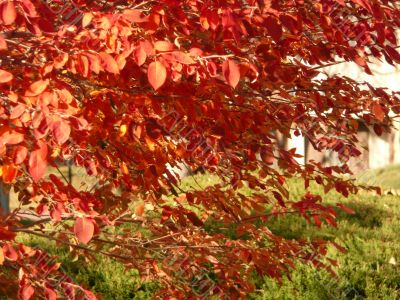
4 199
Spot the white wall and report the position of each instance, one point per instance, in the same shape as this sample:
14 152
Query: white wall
385 76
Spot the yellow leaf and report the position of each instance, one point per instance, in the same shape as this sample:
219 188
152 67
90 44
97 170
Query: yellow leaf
98 92
124 169
122 130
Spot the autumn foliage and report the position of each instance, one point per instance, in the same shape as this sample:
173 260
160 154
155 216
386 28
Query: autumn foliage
128 90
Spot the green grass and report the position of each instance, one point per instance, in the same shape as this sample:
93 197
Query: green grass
103 276
364 272
386 178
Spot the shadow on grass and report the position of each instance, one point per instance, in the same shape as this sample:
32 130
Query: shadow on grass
366 215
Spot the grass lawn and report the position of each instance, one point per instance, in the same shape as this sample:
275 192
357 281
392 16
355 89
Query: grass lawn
369 270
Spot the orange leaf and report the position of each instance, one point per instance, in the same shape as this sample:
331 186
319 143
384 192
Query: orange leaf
61 60
157 74
163 46
5 76
1 257
11 137
140 55
94 63
84 229
26 292
83 65
37 88
3 43
50 294
183 58
121 61
61 131
10 253
38 162
231 72
110 65
134 15
9 173
139 210
17 111
20 153
124 169
8 13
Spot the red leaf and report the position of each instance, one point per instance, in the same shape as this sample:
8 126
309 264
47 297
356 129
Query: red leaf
231 72
6 235
8 13
194 219
166 213
278 197
212 68
90 167
37 88
156 74
378 129
38 162
378 111
79 123
317 220
338 247
61 131
274 28
20 153
346 208
84 229
393 53
5 76
29 8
